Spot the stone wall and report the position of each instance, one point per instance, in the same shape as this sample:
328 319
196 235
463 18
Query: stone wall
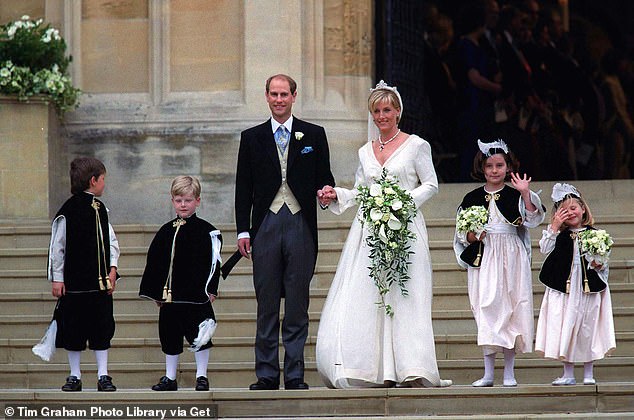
32 160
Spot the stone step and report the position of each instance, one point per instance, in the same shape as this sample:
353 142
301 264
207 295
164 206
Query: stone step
445 322
448 274
332 229
607 400
329 254
240 374
243 301
240 349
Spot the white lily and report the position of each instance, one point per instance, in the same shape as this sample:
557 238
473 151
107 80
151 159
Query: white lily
394 223
376 215
382 235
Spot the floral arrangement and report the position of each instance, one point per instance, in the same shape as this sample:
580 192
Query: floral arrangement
387 209
472 219
596 245
33 62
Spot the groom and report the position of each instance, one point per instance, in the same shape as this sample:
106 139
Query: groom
282 165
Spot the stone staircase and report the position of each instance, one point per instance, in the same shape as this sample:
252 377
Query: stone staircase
136 361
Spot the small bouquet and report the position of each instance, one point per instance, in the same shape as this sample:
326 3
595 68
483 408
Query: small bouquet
595 245
472 219
387 209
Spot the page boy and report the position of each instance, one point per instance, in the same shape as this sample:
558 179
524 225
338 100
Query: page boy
181 275
83 258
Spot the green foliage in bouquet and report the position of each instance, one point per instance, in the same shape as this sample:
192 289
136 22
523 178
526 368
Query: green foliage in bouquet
387 209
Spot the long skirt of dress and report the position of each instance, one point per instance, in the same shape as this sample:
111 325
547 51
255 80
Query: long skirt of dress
575 326
501 293
357 343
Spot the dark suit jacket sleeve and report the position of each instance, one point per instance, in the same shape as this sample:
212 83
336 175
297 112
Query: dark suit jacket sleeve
244 187
324 174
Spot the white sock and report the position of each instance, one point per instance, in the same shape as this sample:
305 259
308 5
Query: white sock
569 370
74 359
588 368
509 364
102 362
489 366
202 360
171 364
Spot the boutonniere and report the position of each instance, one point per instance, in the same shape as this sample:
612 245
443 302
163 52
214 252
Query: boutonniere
298 135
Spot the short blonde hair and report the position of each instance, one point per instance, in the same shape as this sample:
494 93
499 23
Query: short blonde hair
587 219
185 184
384 95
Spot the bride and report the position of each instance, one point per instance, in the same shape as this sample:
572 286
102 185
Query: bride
358 345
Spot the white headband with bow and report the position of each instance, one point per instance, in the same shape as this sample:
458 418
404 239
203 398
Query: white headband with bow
561 190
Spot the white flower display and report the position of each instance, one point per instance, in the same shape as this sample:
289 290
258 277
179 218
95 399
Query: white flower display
33 62
472 219
387 209
596 245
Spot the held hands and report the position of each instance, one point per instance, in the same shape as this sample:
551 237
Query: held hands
326 195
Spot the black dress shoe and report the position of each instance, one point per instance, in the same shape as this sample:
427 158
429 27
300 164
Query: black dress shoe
202 384
265 384
73 384
165 384
295 384
105 384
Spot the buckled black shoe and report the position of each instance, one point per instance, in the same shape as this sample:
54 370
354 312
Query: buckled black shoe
202 383
105 384
265 384
165 384
296 384
73 384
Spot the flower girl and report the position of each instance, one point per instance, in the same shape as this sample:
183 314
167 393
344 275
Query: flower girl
492 242
575 320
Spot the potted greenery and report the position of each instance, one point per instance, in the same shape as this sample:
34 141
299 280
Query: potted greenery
33 63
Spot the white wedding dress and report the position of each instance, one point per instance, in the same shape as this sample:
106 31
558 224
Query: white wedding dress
357 343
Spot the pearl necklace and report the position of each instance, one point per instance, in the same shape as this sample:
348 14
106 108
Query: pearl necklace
383 143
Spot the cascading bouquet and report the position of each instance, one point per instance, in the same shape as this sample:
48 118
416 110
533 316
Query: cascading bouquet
472 219
387 209
596 245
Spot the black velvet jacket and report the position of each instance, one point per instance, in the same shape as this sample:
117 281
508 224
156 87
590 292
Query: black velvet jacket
192 276
557 266
84 260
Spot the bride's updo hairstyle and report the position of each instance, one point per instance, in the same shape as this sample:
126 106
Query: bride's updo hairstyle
378 96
